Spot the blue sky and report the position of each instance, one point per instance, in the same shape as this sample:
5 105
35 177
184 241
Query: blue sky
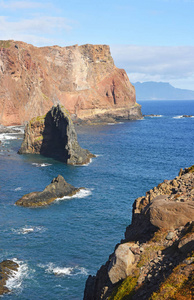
150 39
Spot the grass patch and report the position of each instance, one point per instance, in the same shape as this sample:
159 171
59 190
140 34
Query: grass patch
125 290
5 44
191 169
177 286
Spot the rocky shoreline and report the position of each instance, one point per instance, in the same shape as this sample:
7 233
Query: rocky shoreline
156 258
7 267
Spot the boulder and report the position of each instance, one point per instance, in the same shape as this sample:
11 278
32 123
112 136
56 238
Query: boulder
121 263
58 188
170 214
53 135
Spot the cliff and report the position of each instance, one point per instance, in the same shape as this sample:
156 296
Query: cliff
82 78
156 259
53 135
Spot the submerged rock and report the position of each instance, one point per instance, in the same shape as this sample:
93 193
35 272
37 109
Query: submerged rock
53 135
58 188
6 269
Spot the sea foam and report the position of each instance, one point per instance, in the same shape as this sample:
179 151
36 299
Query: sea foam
41 165
29 229
178 117
81 194
51 268
16 278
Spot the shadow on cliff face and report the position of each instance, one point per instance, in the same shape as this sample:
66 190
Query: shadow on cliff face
55 137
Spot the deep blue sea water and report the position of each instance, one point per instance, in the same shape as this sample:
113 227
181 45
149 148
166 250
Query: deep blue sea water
60 245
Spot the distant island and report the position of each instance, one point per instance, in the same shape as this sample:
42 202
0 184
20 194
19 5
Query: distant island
151 90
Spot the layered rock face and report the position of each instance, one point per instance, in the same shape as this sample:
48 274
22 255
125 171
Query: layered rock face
53 135
156 259
58 188
82 78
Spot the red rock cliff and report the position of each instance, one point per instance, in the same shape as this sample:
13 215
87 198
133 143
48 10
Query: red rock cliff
82 78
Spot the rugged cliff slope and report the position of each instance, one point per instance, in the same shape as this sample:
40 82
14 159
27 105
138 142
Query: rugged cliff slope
156 259
82 78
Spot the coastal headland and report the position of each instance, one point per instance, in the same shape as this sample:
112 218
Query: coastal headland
82 78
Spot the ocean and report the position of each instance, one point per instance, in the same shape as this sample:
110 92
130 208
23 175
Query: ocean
58 246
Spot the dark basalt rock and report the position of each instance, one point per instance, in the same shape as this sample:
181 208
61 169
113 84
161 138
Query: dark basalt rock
6 268
53 135
58 188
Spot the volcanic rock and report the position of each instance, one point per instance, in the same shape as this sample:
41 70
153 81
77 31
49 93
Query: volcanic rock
6 269
58 188
53 135
158 249
82 78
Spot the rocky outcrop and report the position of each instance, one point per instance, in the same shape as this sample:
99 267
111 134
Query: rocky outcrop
156 259
7 267
82 78
53 135
58 188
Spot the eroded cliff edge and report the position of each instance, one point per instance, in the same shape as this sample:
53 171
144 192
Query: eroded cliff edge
156 259
82 78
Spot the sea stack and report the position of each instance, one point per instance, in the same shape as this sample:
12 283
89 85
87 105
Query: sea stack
82 78
58 188
53 135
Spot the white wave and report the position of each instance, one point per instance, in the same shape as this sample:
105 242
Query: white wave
28 229
111 124
51 268
41 165
16 278
178 117
82 193
156 116
7 136
20 128
18 189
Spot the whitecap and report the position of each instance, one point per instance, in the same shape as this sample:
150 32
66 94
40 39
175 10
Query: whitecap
16 278
111 124
156 116
51 268
178 117
18 189
82 193
7 136
28 229
41 165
